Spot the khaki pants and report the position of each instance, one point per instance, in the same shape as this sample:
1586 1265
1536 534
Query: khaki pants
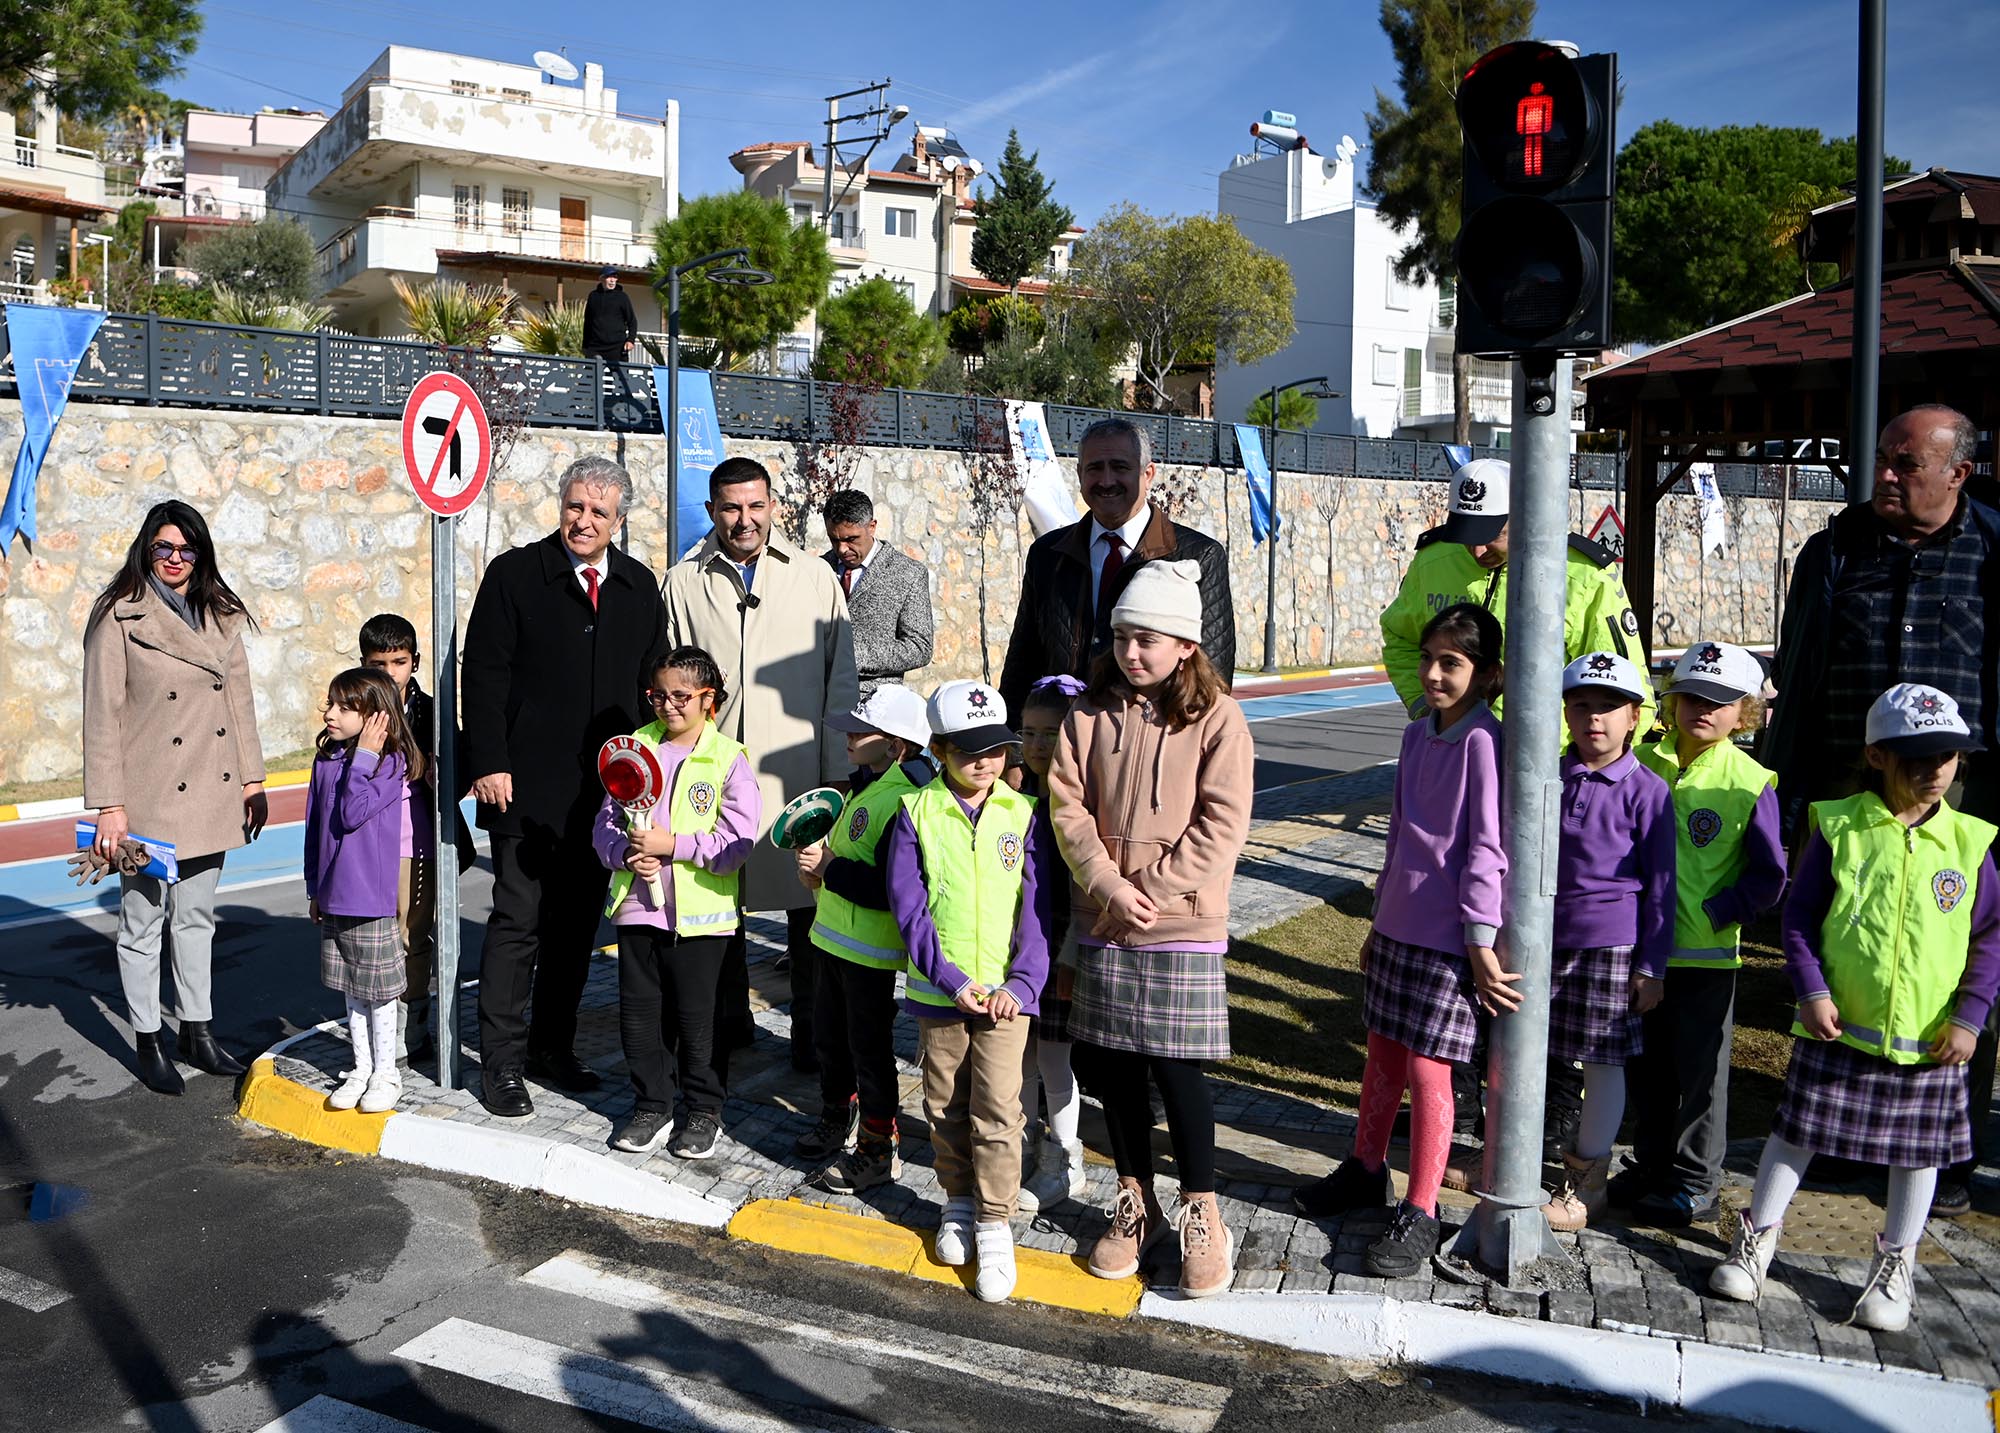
416 911
972 1097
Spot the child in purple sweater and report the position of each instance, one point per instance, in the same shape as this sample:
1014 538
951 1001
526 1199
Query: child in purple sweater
1429 965
354 811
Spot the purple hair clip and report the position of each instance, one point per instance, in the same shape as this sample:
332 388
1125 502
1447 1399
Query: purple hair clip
1065 686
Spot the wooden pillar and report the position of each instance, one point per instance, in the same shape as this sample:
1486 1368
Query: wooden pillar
1641 532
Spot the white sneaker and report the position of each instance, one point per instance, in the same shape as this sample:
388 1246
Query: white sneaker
1058 1176
1741 1275
954 1235
385 1087
1890 1293
348 1092
995 1279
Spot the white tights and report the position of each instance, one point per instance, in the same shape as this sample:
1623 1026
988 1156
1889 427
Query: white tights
1045 1065
1603 1108
371 1030
1783 1169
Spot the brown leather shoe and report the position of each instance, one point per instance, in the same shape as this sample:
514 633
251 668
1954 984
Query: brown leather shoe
1582 1196
1207 1249
1136 1225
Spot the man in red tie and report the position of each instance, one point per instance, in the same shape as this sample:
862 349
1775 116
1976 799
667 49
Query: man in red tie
888 593
1075 573
553 656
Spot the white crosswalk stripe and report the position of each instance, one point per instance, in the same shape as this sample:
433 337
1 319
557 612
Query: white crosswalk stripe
31 1294
1158 1400
594 1384
321 1414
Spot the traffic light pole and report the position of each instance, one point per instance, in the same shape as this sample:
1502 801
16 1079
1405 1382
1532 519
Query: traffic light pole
1509 1231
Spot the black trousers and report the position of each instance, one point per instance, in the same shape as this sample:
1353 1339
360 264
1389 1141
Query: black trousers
854 1014
1121 1081
733 1022
548 897
666 1018
1678 1088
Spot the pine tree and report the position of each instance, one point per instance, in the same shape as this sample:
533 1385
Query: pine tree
1018 223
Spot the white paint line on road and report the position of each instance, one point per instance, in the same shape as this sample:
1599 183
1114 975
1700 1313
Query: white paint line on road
595 1384
31 1294
1158 1400
320 1414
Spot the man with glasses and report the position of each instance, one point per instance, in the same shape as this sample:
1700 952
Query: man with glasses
554 664
1895 590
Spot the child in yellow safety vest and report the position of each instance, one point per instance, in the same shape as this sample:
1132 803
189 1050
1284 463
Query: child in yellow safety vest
670 951
968 894
1730 862
1892 942
855 987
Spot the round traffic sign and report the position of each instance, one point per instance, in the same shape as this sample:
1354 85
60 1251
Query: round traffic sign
629 767
447 444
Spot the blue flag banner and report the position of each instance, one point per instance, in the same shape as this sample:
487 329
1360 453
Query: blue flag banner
1459 453
700 449
48 344
1257 472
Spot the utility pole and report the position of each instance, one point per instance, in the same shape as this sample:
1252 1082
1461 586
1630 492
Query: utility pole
1867 356
881 119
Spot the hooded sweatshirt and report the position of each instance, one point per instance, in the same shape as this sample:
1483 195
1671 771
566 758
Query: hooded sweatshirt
1167 811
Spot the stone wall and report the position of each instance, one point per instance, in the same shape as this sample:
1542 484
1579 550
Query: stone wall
317 530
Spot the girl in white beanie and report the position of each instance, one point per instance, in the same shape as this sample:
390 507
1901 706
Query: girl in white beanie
1150 801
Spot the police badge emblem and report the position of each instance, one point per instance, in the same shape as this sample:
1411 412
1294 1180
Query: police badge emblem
858 825
1703 826
1949 888
1010 851
701 797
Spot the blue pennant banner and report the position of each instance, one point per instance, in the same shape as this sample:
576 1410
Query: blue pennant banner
1257 472
48 344
700 449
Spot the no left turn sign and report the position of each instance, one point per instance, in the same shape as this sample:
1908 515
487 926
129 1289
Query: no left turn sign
447 445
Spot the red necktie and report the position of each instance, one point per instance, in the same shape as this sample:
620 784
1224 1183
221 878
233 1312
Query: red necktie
847 580
1114 563
590 582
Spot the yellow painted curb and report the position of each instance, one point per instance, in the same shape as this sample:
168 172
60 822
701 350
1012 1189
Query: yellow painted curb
10 813
290 1108
286 778
1041 1277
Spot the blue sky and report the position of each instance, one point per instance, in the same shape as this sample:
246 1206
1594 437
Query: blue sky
1139 101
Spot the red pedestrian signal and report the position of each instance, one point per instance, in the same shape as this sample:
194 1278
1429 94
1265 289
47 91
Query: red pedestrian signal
1534 246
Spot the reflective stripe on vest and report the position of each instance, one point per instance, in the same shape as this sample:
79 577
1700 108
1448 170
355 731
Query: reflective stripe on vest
1896 938
1715 796
705 901
974 875
840 927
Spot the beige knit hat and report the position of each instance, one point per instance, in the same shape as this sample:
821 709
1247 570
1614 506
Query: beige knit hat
1162 597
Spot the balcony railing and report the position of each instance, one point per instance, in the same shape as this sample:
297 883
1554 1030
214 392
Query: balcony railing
1491 398
852 239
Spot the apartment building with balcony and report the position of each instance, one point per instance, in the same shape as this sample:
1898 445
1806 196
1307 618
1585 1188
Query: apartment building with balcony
1385 345
483 171
51 195
224 162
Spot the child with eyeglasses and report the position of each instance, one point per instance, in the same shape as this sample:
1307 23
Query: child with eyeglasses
670 952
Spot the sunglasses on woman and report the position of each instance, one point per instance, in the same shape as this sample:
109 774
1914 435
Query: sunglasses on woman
165 551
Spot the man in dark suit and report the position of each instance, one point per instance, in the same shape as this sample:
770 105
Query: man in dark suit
554 664
888 593
1075 573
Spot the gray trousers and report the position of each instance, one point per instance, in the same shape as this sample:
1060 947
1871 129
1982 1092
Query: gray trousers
148 907
1679 1085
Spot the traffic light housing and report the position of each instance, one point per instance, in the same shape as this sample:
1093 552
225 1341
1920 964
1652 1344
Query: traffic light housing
1534 240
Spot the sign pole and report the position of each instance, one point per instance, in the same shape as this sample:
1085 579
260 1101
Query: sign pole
444 740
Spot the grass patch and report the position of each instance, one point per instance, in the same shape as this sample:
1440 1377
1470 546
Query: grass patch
14 793
1295 1013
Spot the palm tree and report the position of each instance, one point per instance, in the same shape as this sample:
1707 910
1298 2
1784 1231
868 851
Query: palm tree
455 315
557 330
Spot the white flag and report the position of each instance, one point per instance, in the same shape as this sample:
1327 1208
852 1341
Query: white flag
1048 493
1714 512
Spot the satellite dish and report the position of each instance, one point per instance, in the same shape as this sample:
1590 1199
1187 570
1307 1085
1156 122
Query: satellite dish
554 65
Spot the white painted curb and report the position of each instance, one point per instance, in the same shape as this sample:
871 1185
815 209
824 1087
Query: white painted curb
579 1175
1772 1389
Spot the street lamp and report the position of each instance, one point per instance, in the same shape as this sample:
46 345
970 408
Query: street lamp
104 242
1320 390
739 272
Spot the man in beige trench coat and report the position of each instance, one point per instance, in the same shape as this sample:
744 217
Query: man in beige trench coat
774 619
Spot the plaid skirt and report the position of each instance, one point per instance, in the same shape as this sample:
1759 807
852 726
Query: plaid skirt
1172 1003
1590 1006
362 956
1420 998
1842 1102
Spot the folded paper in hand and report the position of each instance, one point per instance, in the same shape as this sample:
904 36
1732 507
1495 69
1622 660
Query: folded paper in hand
142 854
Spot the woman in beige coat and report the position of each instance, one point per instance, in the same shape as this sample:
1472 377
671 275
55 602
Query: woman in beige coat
170 751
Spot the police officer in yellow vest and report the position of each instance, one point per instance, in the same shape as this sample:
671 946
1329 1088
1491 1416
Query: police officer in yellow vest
853 1031
1892 943
671 943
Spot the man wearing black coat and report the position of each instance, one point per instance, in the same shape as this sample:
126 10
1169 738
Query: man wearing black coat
610 326
555 658
1075 573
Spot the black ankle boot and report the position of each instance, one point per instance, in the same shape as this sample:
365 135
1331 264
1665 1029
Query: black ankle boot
201 1051
156 1067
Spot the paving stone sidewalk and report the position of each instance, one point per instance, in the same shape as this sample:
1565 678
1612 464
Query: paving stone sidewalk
1310 843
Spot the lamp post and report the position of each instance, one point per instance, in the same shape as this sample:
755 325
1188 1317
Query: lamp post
739 272
1318 385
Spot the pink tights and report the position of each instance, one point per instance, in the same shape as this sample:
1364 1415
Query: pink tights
1393 1068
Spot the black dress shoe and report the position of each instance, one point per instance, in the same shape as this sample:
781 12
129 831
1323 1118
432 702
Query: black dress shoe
505 1093
563 1070
199 1049
156 1067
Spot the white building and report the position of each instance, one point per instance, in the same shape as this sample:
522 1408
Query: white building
51 194
1384 345
482 171
224 163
